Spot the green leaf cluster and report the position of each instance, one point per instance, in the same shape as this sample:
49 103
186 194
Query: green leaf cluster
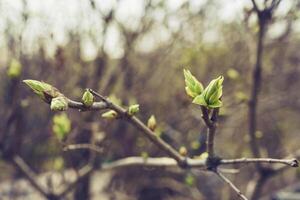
44 90
210 96
61 125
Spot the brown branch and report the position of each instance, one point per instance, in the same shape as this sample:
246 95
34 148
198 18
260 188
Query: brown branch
143 128
82 107
226 180
211 126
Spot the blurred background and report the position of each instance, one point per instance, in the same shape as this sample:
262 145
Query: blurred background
135 51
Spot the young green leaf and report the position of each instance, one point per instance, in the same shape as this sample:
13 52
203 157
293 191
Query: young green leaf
87 98
193 87
211 95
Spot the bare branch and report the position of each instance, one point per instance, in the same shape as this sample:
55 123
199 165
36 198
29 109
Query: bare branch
255 7
143 128
19 163
291 162
82 146
82 107
226 180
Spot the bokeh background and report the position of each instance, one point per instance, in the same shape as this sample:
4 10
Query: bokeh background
135 51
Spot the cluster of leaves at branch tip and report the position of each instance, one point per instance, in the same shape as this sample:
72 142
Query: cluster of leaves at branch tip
209 97
48 93
133 109
61 126
87 98
152 123
45 91
111 114
14 69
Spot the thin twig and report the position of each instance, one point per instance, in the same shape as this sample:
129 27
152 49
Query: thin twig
290 162
143 128
19 163
82 173
256 9
226 180
82 146
211 126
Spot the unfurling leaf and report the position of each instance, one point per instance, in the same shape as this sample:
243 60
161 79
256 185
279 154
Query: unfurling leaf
193 87
151 123
87 98
43 90
59 103
111 114
133 109
211 95
61 125
14 69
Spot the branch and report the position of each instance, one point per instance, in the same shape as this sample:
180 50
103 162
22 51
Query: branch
19 163
255 7
78 105
226 180
82 173
82 146
289 162
211 126
143 128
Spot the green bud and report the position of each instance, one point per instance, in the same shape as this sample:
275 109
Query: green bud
59 104
43 90
183 151
193 86
151 123
87 98
111 114
14 69
233 74
61 126
133 109
211 95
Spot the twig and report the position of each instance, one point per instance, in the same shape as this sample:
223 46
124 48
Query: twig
82 107
211 126
290 162
19 163
82 173
143 128
226 180
82 146
256 9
